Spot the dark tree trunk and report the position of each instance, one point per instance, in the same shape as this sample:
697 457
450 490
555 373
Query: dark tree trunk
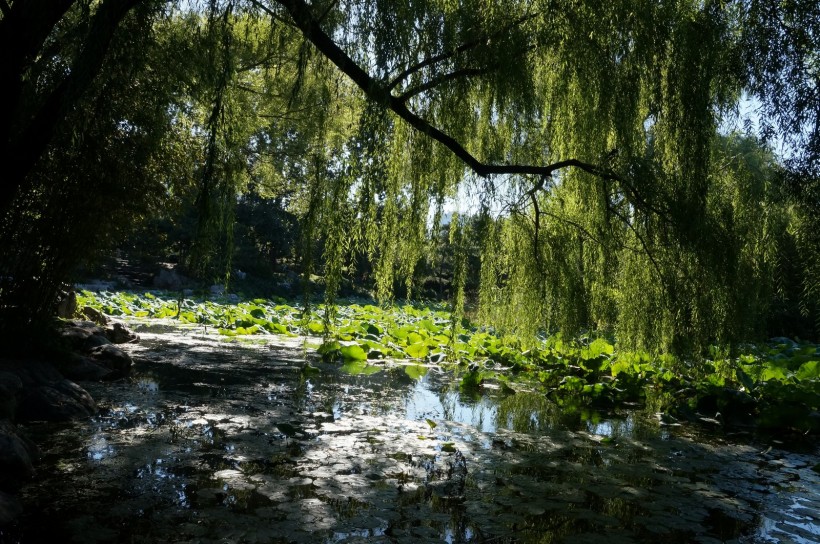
25 135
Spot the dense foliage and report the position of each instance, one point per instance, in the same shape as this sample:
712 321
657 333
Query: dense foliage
776 385
583 145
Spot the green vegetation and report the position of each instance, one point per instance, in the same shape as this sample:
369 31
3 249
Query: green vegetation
589 156
776 385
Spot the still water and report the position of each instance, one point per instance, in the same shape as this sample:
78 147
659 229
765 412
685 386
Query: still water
216 441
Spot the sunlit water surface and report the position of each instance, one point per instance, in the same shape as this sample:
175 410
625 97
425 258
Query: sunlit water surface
215 441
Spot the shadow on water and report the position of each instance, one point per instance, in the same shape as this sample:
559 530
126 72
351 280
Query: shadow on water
233 442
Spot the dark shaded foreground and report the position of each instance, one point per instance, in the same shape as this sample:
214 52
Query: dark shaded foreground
235 442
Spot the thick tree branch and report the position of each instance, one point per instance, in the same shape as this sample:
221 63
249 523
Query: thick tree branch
380 93
272 14
25 149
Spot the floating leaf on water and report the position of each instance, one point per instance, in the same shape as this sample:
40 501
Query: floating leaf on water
353 352
329 347
448 447
315 327
360 367
429 325
415 371
431 423
417 350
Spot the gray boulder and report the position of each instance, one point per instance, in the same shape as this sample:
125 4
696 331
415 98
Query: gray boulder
67 306
217 290
788 342
94 315
113 358
169 279
82 368
84 335
33 373
118 333
63 400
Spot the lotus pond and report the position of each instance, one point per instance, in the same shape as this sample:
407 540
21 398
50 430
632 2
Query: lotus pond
378 435
775 385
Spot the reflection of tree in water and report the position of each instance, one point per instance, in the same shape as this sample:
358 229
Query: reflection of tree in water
202 467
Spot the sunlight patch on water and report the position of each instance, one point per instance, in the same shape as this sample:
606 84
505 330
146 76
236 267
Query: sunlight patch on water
797 522
231 442
99 448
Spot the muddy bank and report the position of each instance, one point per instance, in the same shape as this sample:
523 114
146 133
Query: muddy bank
215 441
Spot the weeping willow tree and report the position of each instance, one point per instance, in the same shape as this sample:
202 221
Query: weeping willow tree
589 132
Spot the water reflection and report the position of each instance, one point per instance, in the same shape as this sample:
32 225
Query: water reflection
214 442
99 448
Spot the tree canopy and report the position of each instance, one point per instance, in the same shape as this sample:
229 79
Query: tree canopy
609 194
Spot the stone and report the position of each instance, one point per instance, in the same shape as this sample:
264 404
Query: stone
84 335
16 466
67 306
233 298
11 382
63 400
120 334
94 315
124 282
217 290
113 358
169 279
90 326
788 342
33 373
75 336
95 341
84 369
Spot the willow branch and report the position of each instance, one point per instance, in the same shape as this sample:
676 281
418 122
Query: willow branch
381 93
643 244
273 15
537 225
464 47
580 228
436 81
